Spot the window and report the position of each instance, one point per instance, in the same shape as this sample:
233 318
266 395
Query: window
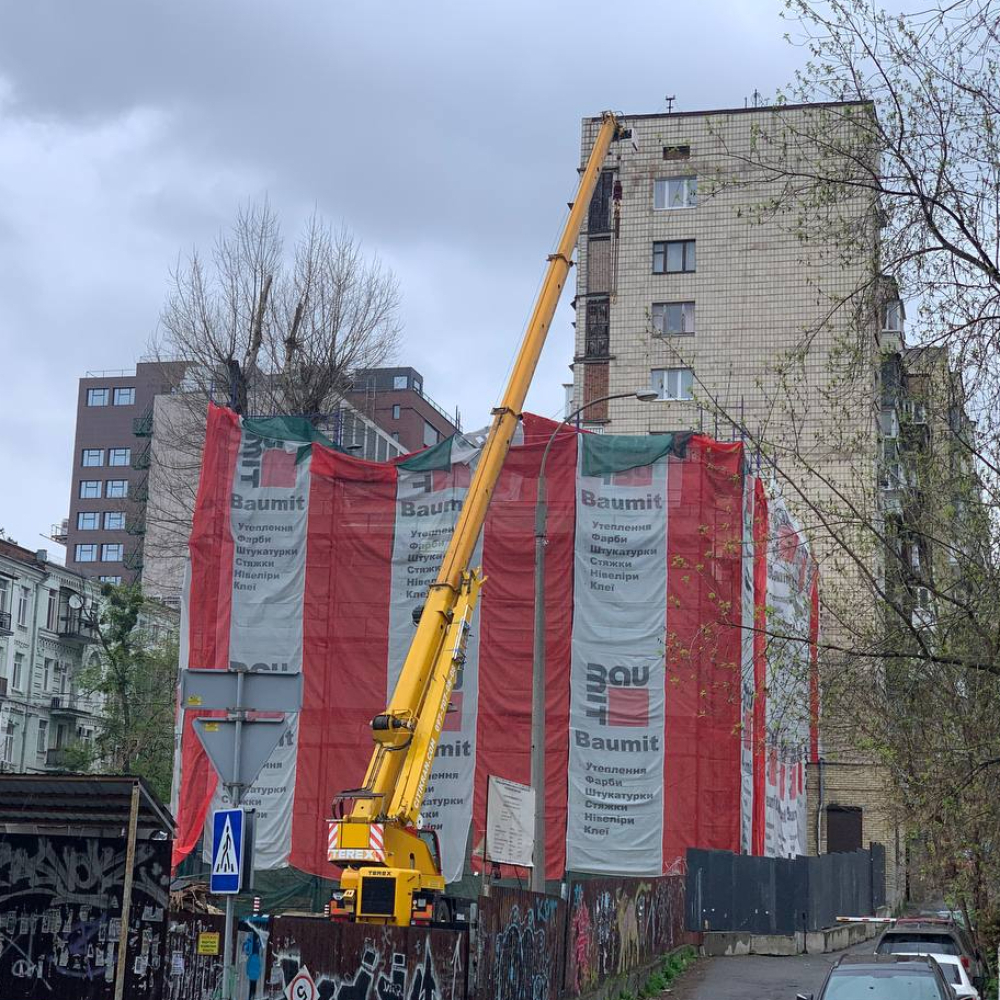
86 553
114 520
673 256
15 681
396 410
4 594
675 192
43 736
119 456
117 489
417 386
97 397
52 612
92 457
124 397
23 604
671 319
47 669
112 552
676 152
394 435
90 489
113 580
88 521
430 435
8 743
672 383
399 382
892 316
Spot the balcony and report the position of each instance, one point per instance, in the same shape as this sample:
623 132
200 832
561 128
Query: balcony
140 492
136 525
143 426
133 559
72 625
5 623
66 705
141 461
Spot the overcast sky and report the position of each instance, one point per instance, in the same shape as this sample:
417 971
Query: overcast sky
444 134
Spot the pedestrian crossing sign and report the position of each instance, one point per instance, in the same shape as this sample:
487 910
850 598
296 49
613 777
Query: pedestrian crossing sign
228 839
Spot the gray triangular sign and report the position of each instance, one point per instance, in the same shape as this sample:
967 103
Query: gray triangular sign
258 739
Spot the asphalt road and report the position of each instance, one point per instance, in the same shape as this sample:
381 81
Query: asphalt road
755 977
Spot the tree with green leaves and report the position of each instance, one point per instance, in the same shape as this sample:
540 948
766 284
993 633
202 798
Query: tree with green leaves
134 675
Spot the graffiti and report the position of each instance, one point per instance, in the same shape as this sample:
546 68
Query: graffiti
61 919
618 925
353 962
520 942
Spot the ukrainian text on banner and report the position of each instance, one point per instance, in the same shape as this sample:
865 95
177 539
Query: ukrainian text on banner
789 670
430 491
615 801
269 515
785 829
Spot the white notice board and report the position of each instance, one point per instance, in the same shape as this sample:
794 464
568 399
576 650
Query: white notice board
510 822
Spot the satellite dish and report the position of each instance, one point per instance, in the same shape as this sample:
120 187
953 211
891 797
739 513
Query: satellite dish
75 602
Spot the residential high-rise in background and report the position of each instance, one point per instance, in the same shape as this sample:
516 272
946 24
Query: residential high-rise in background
694 278
137 455
394 398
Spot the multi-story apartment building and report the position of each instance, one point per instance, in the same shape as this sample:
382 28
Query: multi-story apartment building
110 463
700 275
138 451
395 399
45 640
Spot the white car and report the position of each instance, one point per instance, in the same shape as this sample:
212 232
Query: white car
956 976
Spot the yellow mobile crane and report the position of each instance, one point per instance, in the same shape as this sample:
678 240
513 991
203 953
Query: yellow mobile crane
392 868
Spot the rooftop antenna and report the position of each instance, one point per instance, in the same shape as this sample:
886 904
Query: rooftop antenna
670 104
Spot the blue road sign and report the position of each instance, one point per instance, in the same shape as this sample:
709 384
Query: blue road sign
227 851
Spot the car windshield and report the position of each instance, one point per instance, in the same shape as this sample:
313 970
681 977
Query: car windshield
881 984
918 944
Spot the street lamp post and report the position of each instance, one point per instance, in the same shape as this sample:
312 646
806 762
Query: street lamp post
538 658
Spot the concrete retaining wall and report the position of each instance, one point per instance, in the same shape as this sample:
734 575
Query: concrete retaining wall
723 943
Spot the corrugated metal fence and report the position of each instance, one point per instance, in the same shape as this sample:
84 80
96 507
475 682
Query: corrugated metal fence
731 892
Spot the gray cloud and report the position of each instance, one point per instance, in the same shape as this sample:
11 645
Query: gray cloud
446 135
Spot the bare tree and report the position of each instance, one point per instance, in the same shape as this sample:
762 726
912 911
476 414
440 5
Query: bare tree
267 330
296 325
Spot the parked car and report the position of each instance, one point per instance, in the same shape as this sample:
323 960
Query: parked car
956 976
884 977
926 936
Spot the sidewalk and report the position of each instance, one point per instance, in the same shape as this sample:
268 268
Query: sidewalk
755 977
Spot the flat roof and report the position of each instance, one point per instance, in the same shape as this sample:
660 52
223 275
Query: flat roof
72 802
736 111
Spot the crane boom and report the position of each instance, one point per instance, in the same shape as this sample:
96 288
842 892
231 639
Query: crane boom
381 825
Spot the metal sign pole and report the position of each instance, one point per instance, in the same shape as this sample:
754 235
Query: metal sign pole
235 790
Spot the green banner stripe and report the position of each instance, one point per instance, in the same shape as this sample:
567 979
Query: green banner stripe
604 454
431 459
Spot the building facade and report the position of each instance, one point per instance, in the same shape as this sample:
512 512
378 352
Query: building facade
394 398
137 456
45 640
110 463
695 279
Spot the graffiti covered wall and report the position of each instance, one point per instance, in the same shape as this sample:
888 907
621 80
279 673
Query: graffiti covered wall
190 975
356 962
617 925
61 917
520 946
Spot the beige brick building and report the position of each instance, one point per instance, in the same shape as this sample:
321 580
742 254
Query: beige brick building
754 310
